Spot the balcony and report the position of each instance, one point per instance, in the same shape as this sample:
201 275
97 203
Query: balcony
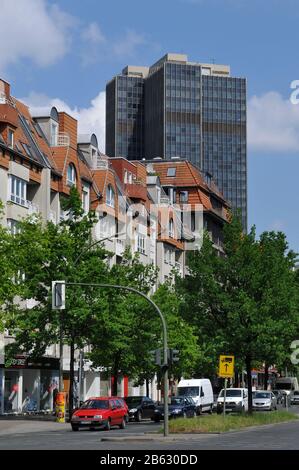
136 190
62 139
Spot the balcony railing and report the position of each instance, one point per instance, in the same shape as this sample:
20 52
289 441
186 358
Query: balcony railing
62 139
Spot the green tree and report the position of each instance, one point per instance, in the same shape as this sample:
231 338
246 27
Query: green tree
243 303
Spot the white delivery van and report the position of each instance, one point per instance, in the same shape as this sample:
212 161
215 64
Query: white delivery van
236 399
200 390
287 384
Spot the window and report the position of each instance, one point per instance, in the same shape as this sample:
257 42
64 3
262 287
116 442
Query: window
171 228
10 138
184 196
141 244
17 190
71 175
27 149
171 171
13 226
85 199
54 134
110 196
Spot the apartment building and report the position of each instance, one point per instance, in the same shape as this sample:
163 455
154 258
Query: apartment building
138 206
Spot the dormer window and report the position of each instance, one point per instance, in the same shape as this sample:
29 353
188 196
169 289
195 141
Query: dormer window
110 196
71 175
10 138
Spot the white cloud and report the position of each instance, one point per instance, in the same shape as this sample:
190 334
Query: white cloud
273 123
90 120
93 34
127 45
35 30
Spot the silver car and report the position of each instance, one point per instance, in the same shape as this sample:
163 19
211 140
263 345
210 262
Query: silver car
294 398
264 400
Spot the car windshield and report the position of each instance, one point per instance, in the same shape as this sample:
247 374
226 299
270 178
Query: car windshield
133 401
188 391
262 395
178 401
231 393
95 405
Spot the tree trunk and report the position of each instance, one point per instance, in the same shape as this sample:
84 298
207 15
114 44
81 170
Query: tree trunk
249 383
147 384
71 391
266 377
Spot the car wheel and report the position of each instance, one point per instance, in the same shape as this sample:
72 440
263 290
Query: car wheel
123 424
210 410
194 414
157 420
199 410
107 425
75 428
138 416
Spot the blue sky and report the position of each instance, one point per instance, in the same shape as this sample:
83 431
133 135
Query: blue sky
64 53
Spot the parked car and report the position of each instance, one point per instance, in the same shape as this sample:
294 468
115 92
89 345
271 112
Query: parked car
294 397
100 412
236 400
183 407
264 400
200 390
279 396
140 407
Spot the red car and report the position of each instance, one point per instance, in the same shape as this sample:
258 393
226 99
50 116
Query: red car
100 412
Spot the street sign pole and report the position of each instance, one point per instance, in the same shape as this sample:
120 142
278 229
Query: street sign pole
224 399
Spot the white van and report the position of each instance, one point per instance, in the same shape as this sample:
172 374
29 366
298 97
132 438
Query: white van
287 384
236 399
200 390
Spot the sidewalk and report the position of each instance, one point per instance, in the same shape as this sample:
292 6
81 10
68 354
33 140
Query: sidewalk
9 426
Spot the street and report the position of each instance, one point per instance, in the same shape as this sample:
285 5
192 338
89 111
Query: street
42 435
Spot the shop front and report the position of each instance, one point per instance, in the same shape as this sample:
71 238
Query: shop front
28 385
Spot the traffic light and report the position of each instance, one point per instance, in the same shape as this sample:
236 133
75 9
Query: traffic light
58 295
156 356
173 356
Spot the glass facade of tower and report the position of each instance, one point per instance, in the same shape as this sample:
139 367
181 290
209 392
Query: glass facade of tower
125 125
224 137
181 110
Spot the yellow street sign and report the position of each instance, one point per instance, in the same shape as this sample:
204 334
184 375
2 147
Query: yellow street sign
226 366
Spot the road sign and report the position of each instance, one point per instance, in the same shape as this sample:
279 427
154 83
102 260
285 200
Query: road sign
226 366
